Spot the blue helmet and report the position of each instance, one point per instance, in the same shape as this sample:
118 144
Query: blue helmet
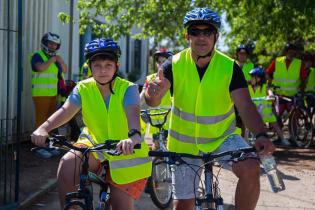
101 46
163 52
202 16
258 72
241 47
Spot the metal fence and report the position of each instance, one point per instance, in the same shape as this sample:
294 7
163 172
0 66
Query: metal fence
9 103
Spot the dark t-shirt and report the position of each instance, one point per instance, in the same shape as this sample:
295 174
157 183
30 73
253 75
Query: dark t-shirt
238 78
36 58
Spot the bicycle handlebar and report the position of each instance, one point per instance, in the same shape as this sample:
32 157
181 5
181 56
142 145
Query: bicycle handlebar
109 146
146 115
209 156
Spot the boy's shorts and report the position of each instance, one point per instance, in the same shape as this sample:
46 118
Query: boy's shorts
185 181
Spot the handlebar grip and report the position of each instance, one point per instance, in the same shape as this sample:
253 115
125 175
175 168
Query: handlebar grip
137 146
158 154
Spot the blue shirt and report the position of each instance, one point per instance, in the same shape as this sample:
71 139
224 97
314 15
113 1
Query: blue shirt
131 97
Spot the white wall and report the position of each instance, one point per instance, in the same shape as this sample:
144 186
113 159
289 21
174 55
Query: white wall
39 17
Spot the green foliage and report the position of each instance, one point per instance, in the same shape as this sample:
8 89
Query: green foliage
270 24
266 24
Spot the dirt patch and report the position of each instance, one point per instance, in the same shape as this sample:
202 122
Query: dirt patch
296 158
34 171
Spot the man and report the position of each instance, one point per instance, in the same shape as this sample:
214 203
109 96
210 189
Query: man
243 62
205 85
289 74
47 66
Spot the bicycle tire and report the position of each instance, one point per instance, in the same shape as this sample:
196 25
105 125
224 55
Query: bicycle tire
159 186
76 204
301 128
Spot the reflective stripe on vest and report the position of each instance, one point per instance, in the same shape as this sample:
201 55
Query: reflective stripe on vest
202 115
45 83
201 119
287 79
310 85
111 123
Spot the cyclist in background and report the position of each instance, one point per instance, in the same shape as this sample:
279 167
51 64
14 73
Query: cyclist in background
85 72
309 61
47 69
205 85
242 60
159 57
110 110
258 88
289 73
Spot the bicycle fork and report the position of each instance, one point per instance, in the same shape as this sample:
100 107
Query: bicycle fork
211 198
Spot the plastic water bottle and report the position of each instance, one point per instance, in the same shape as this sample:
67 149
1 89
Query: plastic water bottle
272 172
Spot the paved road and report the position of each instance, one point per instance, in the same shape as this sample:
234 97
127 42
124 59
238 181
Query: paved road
299 193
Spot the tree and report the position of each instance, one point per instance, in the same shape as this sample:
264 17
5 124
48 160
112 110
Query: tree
270 24
266 24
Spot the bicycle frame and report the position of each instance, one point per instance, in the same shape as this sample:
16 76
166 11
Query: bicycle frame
211 198
84 191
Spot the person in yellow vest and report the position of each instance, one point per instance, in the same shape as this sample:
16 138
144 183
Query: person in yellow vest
257 89
85 72
159 57
110 110
46 67
242 60
309 61
289 73
205 85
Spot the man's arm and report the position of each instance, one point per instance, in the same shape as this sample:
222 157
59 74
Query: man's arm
157 89
252 120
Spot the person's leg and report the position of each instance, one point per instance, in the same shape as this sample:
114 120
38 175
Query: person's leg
69 171
248 171
248 186
44 107
120 200
184 187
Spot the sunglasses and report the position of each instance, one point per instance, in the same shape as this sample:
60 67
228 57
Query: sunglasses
198 32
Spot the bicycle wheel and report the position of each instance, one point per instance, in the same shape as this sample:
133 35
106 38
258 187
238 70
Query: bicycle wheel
301 128
76 205
160 184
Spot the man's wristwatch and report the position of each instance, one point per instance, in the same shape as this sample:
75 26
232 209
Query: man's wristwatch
261 134
133 132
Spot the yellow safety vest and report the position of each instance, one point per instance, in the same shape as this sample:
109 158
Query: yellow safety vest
203 112
111 124
45 83
310 85
261 91
85 72
246 69
288 79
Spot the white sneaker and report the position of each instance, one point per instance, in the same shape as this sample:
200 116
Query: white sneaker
285 142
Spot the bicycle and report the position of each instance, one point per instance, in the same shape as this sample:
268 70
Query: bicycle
210 197
83 197
159 185
299 119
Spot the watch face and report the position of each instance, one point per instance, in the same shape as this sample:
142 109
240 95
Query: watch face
132 132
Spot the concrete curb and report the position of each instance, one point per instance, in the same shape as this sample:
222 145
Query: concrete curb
50 184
